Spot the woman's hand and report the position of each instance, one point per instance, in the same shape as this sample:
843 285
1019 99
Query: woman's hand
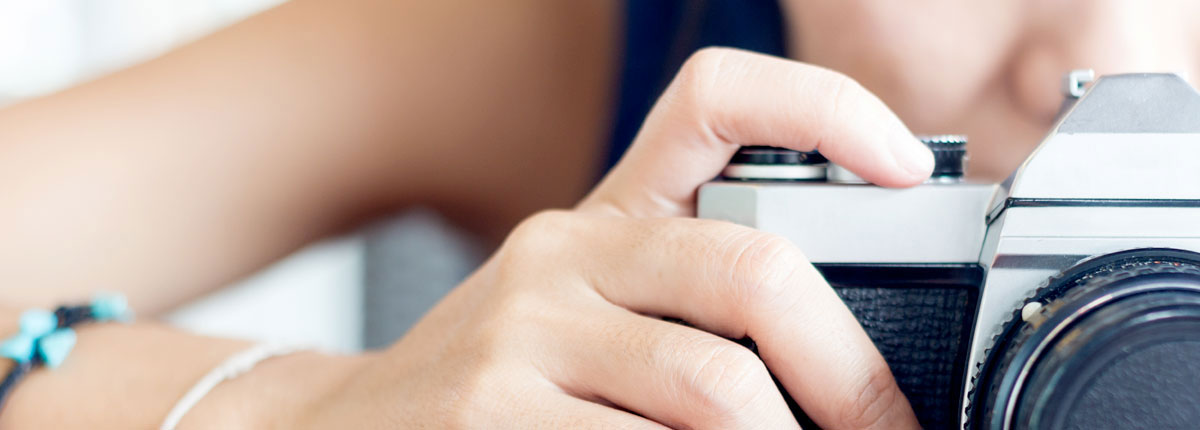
561 327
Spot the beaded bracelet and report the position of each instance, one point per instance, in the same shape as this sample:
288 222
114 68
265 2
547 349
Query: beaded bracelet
46 338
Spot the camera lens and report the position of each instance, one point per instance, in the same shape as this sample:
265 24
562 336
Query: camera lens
775 164
1112 343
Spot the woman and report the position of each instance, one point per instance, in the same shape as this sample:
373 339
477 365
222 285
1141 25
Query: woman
182 173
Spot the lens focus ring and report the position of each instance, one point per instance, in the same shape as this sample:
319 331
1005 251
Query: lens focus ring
1098 350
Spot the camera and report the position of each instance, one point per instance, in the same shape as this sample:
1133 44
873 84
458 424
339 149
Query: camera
1067 296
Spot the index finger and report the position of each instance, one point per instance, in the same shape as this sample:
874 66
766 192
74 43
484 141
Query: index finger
723 99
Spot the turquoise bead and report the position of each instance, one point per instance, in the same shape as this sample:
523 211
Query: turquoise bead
40 336
36 322
110 307
55 347
19 348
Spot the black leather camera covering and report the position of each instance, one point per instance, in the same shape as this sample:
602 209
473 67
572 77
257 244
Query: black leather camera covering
919 331
920 318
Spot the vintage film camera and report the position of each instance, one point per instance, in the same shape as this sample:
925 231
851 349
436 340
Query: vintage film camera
1066 297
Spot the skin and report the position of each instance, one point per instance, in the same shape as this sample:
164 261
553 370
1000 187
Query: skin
991 70
137 181
152 182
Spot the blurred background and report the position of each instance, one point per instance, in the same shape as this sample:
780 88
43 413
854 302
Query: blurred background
314 297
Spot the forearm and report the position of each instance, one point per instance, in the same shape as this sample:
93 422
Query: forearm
130 375
190 170
168 179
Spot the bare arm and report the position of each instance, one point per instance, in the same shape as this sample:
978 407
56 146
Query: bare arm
149 367
183 173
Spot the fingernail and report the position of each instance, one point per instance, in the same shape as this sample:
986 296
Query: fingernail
914 157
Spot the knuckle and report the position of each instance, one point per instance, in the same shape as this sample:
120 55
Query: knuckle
706 93
868 402
728 379
547 221
706 62
845 91
760 264
539 235
702 70
836 84
845 98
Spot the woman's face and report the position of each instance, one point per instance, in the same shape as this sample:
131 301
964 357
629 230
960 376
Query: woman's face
990 69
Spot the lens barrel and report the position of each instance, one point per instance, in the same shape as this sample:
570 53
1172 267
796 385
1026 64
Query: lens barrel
1113 343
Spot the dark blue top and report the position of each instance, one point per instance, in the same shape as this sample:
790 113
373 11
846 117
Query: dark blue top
661 34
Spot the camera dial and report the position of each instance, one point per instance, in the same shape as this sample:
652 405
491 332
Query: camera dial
949 155
775 164
1111 343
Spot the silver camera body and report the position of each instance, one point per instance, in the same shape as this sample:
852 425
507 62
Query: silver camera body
1119 173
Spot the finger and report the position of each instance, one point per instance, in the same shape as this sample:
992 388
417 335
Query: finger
562 411
725 98
676 375
737 282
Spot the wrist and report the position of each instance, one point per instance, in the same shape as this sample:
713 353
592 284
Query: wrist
278 393
8 328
